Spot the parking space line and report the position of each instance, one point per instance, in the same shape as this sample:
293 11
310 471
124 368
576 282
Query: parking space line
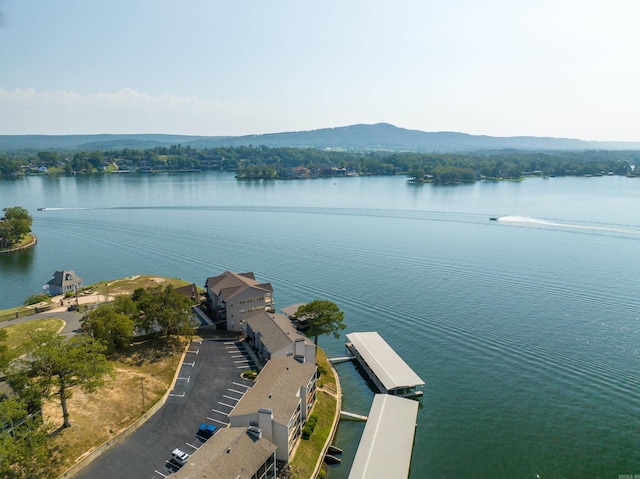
190 364
243 367
242 361
177 395
216 420
224 404
236 391
191 445
158 472
238 356
225 414
243 385
199 341
229 397
194 352
188 378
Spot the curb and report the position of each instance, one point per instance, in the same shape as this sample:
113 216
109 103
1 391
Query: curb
121 436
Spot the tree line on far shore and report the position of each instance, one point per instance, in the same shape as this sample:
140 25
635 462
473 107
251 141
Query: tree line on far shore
261 162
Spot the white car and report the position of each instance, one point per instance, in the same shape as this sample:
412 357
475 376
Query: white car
179 456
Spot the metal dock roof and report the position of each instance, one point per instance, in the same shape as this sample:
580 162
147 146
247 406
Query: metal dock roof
385 363
387 441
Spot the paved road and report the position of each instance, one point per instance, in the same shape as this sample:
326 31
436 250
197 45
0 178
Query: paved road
208 387
71 319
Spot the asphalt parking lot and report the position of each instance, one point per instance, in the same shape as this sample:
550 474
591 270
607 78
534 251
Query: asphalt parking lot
208 387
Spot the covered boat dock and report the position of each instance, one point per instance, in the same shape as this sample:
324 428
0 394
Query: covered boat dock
387 440
387 370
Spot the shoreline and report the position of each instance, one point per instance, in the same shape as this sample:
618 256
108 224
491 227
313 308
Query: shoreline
34 240
60 304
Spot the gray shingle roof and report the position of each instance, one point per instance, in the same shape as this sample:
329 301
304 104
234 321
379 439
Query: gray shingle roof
231 453
232 283
62 278
276 331
276 388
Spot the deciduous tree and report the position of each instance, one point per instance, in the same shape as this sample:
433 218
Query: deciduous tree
114 329
25 446
165 309
58 364
15 224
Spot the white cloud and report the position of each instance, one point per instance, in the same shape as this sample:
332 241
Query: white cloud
28 111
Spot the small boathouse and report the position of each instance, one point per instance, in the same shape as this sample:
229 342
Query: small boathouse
387 370
387 440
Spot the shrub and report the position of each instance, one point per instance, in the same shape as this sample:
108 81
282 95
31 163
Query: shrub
35 298
250 375
309 426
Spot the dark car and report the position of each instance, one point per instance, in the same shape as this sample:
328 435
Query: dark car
205 431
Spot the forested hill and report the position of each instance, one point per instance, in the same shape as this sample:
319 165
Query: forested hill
381 136
91 142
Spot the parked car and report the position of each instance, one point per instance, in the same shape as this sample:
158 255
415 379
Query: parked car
179 457
205 431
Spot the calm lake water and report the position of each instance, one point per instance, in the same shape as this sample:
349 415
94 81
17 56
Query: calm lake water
526 330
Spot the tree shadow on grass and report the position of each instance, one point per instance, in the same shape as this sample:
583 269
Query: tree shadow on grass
150 350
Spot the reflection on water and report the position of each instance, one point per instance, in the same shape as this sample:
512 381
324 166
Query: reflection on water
17 260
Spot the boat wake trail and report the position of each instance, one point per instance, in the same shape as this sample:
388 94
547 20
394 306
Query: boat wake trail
65 209
586 227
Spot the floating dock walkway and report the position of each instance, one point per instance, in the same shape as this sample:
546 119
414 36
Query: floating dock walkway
341 359
353 416
387 370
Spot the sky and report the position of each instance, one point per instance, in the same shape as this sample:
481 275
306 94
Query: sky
557 68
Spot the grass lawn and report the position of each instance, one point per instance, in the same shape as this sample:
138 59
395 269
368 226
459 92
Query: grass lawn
131 283
143 374
147 366
309 450
106 288
18 334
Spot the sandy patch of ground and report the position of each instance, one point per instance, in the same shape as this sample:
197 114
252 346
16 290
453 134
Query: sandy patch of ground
98 417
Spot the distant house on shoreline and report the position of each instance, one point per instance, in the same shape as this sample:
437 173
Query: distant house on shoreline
64 281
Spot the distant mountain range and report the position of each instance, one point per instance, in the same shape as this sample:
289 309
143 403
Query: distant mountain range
381 136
